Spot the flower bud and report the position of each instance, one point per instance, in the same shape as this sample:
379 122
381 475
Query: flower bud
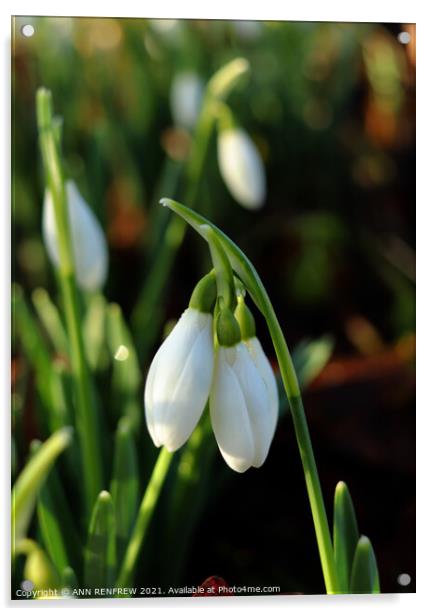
88 242
241 167
186 99
241 418
179 380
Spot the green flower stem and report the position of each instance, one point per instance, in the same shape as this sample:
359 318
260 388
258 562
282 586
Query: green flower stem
144 516
86 418
249 276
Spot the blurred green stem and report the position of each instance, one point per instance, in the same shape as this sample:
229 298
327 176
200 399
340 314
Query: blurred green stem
147 508
87 427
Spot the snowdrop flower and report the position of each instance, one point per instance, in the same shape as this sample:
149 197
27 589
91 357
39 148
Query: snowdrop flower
243 414
241 167
88 242
179 379
186 99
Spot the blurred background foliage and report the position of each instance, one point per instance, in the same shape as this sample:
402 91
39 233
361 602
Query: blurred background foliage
331 108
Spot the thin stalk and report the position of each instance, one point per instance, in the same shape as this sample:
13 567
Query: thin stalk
86 418
144 516
249 276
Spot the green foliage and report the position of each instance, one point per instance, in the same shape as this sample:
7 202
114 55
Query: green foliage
32 476
100 552
364 573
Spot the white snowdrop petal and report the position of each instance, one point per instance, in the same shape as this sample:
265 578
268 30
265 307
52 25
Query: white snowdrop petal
190 394
241 168
229 417
261 361
179 380
88 241
257 403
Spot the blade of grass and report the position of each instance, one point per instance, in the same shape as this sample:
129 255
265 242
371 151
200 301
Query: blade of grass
38 567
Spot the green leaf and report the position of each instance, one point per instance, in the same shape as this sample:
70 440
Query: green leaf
31 478
126 377
57 527
69 578
345 534
124 486
49 316
100 553
364 574
93 329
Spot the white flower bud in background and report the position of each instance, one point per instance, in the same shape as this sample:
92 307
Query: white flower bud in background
248 31
241 167
241 417
179 380
186 99
88 241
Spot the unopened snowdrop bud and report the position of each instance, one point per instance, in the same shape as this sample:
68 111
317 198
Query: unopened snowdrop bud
88 242
186 99
179 379
256 352
241 167
239 409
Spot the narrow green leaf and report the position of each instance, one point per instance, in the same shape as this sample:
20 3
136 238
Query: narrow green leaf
99 561
56 524
124 486
93 329
31 478
126 377
49 316
364 574
69 579
27 332
310 358
345 534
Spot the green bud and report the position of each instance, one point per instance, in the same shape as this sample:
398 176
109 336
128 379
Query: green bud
245 320
204 294
227 328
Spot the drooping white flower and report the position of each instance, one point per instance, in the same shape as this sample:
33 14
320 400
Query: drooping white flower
262 363
186 98
179 380
242 418
88 241
241 167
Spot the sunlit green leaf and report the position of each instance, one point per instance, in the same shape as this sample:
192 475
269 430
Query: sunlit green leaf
364 574
345 534
30 479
